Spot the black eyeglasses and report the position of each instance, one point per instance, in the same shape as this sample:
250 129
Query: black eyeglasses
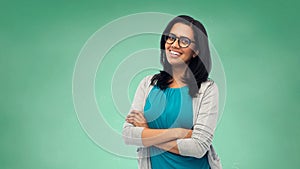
183 41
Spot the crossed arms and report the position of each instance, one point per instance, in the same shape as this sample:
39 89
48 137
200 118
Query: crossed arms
162 138
181 141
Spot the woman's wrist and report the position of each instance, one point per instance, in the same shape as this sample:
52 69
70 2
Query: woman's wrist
181 133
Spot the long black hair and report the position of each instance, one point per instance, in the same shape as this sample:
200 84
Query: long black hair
199 66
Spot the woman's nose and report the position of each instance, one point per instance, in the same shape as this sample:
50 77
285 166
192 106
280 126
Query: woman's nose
175 44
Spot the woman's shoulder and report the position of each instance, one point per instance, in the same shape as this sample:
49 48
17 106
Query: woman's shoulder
209 84
147 79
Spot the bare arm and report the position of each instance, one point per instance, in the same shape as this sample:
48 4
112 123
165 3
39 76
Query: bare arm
156 136
170 146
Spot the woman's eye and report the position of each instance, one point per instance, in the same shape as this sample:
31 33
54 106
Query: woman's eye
172 37
185 41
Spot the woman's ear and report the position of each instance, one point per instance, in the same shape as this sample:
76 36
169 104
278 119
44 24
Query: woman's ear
196 53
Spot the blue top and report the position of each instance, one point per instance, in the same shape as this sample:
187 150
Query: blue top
171 108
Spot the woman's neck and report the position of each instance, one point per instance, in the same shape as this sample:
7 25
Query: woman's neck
178 73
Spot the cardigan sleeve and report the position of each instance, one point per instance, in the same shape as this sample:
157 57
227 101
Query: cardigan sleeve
133 135
204 127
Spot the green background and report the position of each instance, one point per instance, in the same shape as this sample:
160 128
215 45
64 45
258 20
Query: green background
40 41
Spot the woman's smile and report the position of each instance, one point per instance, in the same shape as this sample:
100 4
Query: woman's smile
174 54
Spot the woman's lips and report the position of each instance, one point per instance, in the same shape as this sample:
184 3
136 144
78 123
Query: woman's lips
174 54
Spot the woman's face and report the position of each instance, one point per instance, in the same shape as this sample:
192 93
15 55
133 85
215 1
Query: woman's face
175 54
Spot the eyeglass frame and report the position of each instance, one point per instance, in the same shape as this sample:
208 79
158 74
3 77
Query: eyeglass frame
178 40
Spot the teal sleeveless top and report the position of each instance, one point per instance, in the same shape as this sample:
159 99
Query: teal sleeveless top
171 108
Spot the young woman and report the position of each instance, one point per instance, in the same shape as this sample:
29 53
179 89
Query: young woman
174 113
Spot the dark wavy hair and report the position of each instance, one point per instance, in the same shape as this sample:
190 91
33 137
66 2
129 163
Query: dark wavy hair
198 67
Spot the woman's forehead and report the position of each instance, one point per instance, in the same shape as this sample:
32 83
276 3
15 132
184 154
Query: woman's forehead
180 29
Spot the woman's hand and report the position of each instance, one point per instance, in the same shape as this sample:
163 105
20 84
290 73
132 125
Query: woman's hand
183 133
137 119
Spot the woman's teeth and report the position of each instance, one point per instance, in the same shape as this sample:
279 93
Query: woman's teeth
174 53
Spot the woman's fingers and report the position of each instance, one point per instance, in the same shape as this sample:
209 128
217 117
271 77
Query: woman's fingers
131 120
137 119
134 120
139 115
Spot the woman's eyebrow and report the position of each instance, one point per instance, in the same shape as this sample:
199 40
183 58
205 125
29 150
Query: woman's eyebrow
179 36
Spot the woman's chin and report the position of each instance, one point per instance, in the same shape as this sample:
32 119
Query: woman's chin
176 61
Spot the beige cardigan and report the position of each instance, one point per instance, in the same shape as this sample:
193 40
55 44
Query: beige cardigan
205 115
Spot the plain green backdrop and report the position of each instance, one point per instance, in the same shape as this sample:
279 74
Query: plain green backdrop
40 41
